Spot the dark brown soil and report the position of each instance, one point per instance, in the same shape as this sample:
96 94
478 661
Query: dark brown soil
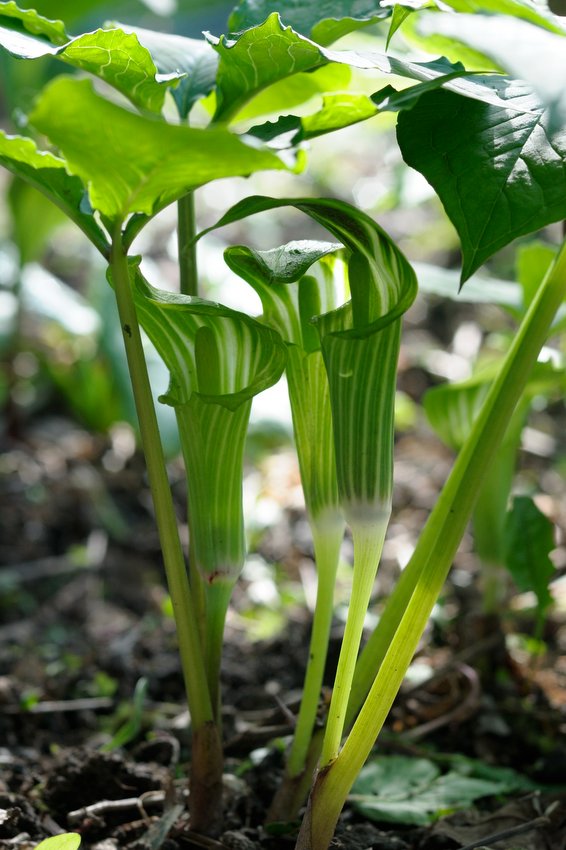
82 622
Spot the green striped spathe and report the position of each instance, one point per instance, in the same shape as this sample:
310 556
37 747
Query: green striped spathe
218 359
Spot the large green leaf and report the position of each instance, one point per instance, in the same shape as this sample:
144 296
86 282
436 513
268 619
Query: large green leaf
113 55
325 21
524 50
529 541
175 54
132 163
24 28
47 173
257 58
497 171
272 51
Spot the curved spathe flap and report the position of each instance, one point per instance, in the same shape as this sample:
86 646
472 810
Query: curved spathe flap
223 356
382 283
289 309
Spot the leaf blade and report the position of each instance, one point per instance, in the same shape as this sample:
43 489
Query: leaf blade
497 171
131 163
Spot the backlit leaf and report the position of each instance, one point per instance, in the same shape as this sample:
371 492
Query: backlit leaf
176 54
47 173
113 55
257 58
132 163
525 51
65 841
18 27
325 21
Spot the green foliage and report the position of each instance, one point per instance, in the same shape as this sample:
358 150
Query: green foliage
129 730
498 171
132 163
64 841
48 173
193 60
408 790
529 540
113 55
521 49
324 22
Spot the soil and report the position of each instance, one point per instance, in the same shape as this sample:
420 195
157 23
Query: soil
84 621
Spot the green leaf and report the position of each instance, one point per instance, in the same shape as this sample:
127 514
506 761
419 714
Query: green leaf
131 728
401 789
532 263
271 52
296 90
24 28
496 170
119 59
522 9
338 111
64 841
256 59
524 50
132 163
113 55
452 409
325 21
174 54
529 541
48 173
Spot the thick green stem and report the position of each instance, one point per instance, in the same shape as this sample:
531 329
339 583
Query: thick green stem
186 231
217 601
189 642
368 544
432 559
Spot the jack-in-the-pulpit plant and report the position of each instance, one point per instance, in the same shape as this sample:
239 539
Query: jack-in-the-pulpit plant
169 114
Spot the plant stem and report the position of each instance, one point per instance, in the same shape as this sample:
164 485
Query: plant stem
188 285
432 559
368 544
327 543
291 794
189 643
186 230
217 600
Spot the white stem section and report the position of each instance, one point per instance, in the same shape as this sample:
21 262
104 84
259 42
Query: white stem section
368 544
